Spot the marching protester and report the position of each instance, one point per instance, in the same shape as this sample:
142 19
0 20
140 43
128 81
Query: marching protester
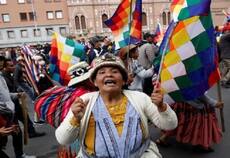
147 52
20 79
224 47
96 49
136 69
197 124
112 122
5 100
78 85
7 73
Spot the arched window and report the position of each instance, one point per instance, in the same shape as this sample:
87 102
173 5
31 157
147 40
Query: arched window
77 23
144 19
83 24
169 17
104 17
164 18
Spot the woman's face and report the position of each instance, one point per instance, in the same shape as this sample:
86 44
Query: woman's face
109 79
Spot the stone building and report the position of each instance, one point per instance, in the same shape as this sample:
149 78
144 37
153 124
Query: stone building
32 21
86 16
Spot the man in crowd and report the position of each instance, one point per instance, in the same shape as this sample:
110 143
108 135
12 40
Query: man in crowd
9 78
5 99
147 53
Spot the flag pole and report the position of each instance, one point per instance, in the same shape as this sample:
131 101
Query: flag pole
221 108
164 51
130 17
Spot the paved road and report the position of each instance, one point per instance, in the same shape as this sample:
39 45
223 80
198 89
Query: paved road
45 147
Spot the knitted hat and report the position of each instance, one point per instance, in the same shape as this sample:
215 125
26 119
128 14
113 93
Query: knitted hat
105 60
79 72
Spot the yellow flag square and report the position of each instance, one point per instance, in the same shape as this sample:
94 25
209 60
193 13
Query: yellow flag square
165 75
171 58
66 58
180 38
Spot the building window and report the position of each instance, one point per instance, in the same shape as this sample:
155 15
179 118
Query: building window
169 17
49 31
6 17
77 22
62 31
37 32
24 34
164 18
29 1
50 15
2 1
144 19
32 16
58 14
11 34
83 24
21 1
48 1
104 17
23 16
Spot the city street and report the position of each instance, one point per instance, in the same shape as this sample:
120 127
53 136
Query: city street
46 146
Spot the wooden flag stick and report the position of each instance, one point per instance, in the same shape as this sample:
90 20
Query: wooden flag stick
221 109
23 104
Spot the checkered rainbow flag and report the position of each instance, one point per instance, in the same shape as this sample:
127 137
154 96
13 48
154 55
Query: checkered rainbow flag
64 53
190 64
183 9
126 23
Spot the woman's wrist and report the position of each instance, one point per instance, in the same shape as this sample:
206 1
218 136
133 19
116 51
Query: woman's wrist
162 107
74 122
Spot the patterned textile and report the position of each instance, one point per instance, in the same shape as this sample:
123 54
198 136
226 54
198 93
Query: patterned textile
183 9
64 53
30 68
196 126
126 23
53 105
108 143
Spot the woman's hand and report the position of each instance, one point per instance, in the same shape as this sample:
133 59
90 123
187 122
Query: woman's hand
219 105
157 97
78 108
130 78
6 130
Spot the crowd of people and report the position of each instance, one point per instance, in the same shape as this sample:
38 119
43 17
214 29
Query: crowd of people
118 98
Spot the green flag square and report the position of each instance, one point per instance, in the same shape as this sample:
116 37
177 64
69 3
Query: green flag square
192 64
176 95
77 52
206 21
70 42
192 2
126 34
184 13
201 42
122 44
183 82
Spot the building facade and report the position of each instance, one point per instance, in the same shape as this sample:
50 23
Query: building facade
86 16
32 21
